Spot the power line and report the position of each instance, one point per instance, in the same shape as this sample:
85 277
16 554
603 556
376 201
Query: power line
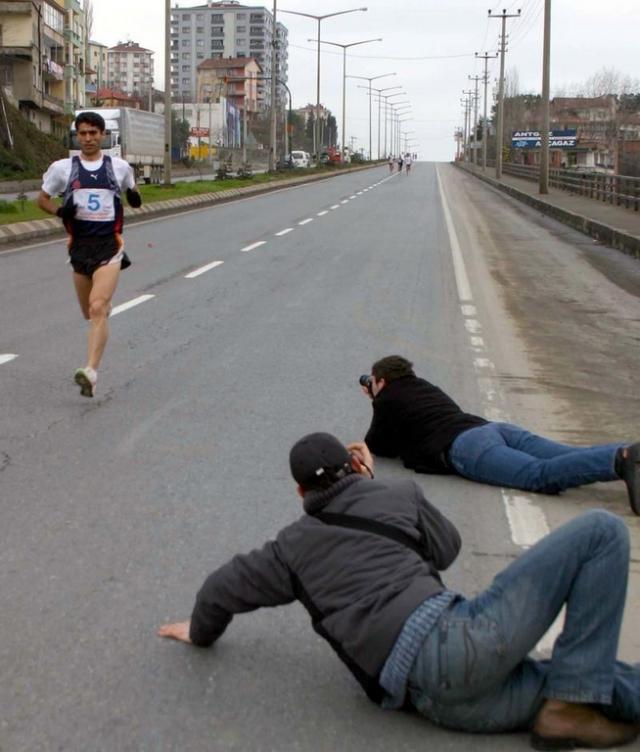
386 57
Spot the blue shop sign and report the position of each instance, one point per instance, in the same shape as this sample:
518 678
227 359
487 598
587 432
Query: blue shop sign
565 139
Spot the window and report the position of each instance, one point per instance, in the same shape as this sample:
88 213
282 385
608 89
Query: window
241 16
186 29
200 43
256 18
241 42
186 56
217 18
241 29
185 42
217 44
186 81
256 44
200 55
186 68
200 17
53 18
186 17
257 31
217 31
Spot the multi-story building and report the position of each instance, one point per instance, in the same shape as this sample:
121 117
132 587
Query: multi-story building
131 69
32 59
96 70
225 30
235 78
75 44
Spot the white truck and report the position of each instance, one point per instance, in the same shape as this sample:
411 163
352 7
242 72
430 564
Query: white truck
136 136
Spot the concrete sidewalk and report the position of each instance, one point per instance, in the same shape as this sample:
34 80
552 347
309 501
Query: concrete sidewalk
611 225
15 234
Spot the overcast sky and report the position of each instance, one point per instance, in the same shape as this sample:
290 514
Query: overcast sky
429 44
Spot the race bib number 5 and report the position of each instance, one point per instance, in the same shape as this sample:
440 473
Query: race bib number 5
94 205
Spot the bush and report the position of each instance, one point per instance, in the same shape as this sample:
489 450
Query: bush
8 207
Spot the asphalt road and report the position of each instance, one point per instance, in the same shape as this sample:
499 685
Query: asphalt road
113 510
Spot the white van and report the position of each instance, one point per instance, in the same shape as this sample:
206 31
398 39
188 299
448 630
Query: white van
300 159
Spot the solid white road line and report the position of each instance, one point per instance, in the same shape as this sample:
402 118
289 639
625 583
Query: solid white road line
284 232
253 245
462 280
131 304
7 357
203 269
306 221
322 213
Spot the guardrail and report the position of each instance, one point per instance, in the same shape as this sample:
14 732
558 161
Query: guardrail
618 190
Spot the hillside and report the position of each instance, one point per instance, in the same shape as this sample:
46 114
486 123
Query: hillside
32 150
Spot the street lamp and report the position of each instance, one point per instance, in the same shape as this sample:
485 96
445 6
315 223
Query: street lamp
319 19
344 81
370 79
392 117
386 107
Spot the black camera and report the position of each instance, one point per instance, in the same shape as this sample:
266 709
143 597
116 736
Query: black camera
365 380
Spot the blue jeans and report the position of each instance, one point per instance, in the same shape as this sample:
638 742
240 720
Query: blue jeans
473 672
505 455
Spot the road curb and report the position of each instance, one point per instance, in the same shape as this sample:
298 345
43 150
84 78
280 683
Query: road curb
611 236
19 232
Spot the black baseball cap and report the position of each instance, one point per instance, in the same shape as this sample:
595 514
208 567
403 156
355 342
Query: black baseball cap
315 455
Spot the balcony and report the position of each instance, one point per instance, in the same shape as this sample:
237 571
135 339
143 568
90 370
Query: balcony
53 104
15 7
52 70
73 5
71 36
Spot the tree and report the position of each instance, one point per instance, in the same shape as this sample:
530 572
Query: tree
88 18
180 131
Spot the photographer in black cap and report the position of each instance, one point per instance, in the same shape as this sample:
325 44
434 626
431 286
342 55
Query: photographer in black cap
365 559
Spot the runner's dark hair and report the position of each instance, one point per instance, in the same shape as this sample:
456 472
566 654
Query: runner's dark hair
91 118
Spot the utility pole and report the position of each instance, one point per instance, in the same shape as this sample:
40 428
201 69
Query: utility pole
485 125
503 48
466 102
274 104
167 92
370 79
545 125
474 153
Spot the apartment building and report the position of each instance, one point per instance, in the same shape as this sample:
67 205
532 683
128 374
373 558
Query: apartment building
42 59
234 78
130 69
225 30
96 70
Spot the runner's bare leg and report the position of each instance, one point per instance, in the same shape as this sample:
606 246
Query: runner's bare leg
104 282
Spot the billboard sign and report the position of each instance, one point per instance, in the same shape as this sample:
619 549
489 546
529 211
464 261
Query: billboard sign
200 132
565 139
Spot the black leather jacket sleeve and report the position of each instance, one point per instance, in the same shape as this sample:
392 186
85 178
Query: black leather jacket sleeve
381 436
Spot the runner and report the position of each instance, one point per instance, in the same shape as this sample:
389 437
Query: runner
407 162
400 163
92 214
391 163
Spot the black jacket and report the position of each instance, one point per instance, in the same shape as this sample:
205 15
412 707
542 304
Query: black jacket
358 587
417 421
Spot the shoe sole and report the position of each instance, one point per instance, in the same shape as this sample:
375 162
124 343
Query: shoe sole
86 387
552 743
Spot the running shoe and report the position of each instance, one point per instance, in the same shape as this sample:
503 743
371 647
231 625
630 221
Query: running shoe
86 379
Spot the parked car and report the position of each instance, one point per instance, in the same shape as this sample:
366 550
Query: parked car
300 159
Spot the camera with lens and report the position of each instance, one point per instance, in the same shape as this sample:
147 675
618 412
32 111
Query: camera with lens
366 381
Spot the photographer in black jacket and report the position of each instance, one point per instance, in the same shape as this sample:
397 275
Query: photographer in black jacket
364 560
417 421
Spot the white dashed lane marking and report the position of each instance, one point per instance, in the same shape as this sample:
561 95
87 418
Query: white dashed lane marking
335 206
257 244
203 269
306 221
130 304
322 213
284 232
7 357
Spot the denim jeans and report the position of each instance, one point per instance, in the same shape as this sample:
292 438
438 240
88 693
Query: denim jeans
505 455
473 672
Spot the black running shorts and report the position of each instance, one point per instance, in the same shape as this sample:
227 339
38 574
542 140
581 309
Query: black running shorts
87 254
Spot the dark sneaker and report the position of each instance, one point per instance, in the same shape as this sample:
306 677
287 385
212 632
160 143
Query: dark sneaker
86 379
629 471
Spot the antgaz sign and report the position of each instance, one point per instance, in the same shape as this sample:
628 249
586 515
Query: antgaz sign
565 139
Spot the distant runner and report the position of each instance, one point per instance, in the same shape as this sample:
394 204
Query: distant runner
407 162
92 214
391 164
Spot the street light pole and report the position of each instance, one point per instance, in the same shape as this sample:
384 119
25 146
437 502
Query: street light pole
370 79
485 127
344 82
167 92
319 19
380 97
545 125
274 106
